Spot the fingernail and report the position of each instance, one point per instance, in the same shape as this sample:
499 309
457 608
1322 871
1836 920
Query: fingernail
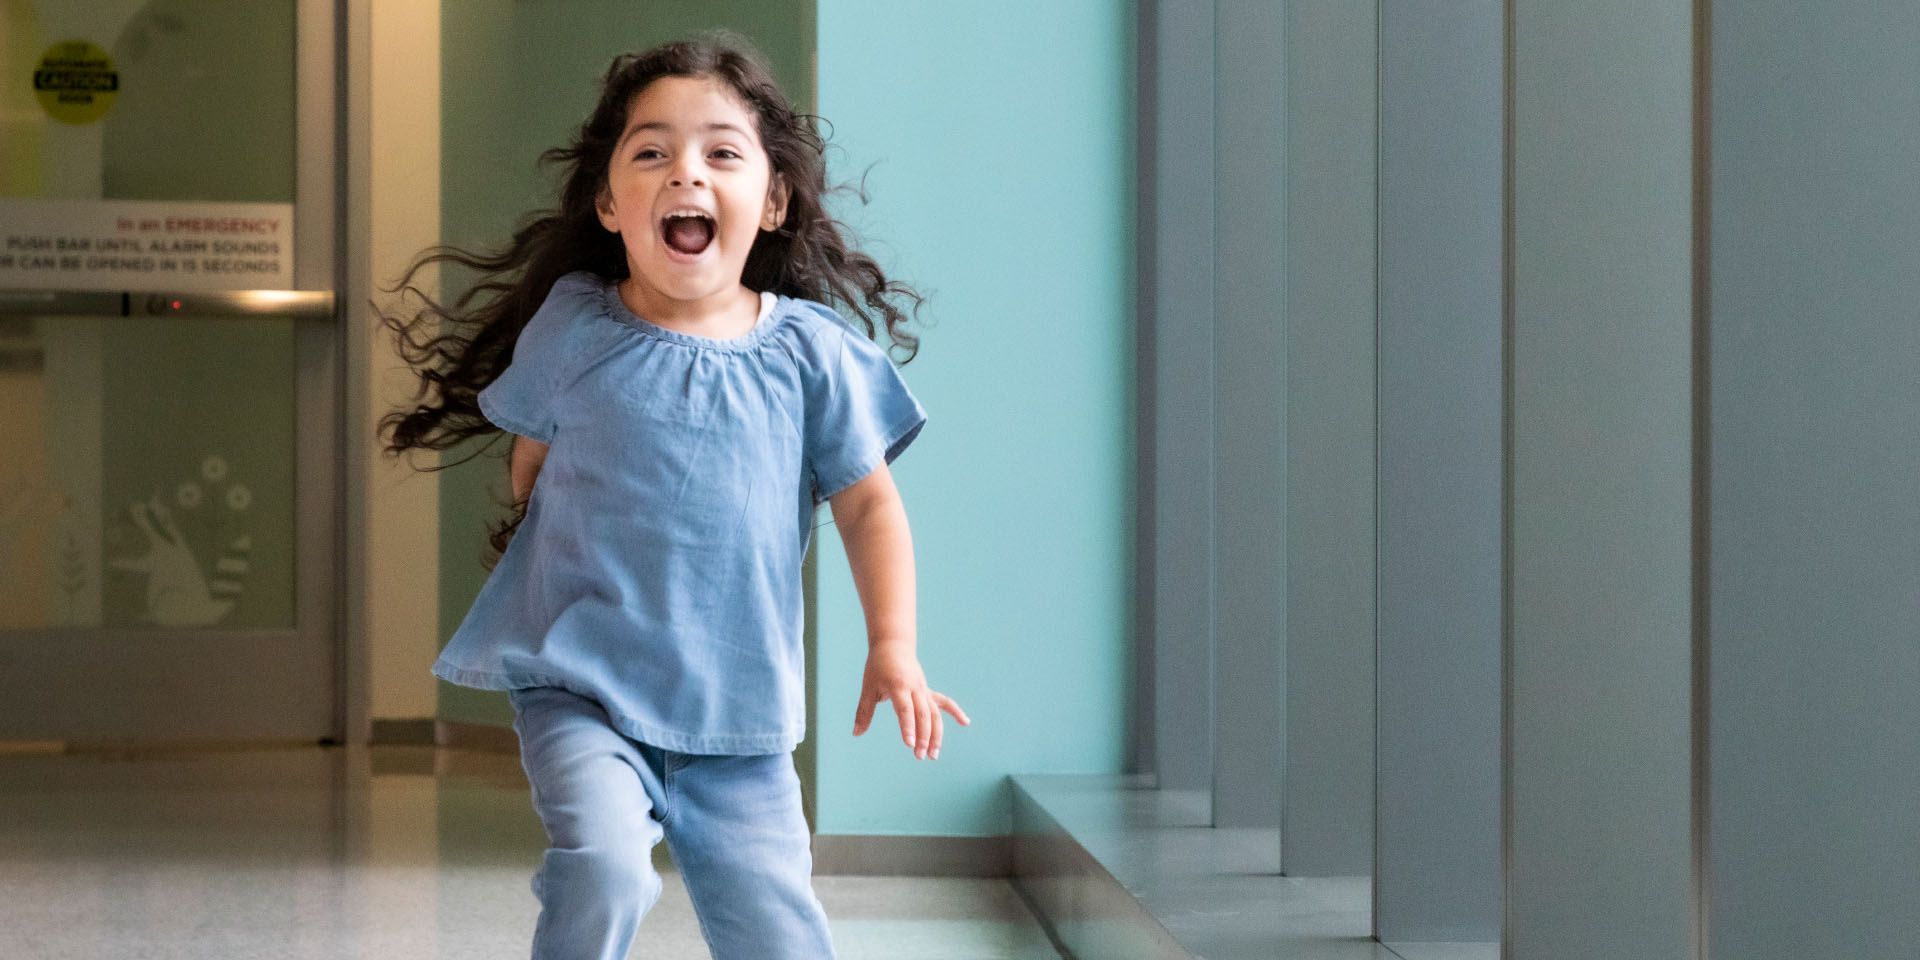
936 753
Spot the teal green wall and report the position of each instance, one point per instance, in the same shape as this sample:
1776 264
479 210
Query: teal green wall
998 140
517 78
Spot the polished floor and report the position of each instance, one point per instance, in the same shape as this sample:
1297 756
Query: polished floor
1151 868
388 854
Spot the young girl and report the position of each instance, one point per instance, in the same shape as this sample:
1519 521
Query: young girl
682 402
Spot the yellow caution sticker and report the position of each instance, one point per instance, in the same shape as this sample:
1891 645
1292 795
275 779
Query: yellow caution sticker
75 82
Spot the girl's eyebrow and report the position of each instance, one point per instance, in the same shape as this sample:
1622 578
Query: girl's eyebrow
662 125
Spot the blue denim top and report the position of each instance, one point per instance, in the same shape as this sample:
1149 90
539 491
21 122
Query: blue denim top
657 569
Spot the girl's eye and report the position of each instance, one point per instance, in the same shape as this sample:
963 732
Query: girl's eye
648 154
726 154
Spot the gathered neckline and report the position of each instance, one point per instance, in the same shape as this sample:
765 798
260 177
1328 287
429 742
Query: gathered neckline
763 325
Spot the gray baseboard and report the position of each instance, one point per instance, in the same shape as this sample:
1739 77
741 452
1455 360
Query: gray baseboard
400 732
476 736
900 856
431 732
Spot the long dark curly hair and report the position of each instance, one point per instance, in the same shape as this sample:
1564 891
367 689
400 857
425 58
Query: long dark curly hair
458 349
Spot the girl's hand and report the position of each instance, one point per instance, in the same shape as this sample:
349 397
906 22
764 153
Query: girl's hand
895 674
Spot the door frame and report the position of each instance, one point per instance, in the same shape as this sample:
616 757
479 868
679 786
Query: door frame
321 490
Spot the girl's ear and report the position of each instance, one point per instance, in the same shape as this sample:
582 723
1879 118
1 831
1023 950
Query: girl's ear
776 212
603 206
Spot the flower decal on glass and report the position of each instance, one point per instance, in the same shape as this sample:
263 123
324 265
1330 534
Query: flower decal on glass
196 562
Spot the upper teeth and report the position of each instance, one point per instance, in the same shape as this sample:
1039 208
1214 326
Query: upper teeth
689 212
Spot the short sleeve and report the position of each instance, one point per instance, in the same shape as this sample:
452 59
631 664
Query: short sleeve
859 411
521 398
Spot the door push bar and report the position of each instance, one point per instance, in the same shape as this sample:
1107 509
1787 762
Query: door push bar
300 304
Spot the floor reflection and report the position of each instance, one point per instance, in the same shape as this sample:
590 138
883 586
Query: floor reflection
388 853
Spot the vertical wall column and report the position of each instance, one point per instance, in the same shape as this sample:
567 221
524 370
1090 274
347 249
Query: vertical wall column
400 516
1249 424
1294 104
1815 532
1437 874
1177 396
1332 124
1599 633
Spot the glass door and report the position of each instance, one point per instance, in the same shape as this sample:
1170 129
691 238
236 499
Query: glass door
168 351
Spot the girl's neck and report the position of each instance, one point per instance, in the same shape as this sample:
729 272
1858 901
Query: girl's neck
723 316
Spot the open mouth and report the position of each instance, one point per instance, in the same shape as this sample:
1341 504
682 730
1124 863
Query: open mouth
687 232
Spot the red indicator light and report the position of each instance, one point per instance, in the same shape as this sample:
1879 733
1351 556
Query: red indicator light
176 304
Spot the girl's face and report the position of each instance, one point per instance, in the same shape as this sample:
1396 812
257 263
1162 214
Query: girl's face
689 188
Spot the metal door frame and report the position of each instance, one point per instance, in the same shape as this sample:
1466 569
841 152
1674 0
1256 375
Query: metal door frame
320 251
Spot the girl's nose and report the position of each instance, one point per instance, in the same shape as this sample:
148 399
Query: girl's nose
686 178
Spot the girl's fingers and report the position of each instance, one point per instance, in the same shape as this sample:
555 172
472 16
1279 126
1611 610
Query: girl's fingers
921 727
863 714
917 742
903 705
929 722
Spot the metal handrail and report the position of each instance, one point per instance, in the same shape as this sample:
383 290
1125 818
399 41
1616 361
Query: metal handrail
300 304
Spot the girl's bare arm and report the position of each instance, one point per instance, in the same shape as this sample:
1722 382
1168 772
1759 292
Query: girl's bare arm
524 465
873 528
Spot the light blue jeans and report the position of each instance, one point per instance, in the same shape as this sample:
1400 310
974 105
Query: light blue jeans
733 824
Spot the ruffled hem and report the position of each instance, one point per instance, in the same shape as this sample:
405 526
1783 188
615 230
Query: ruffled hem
735 744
